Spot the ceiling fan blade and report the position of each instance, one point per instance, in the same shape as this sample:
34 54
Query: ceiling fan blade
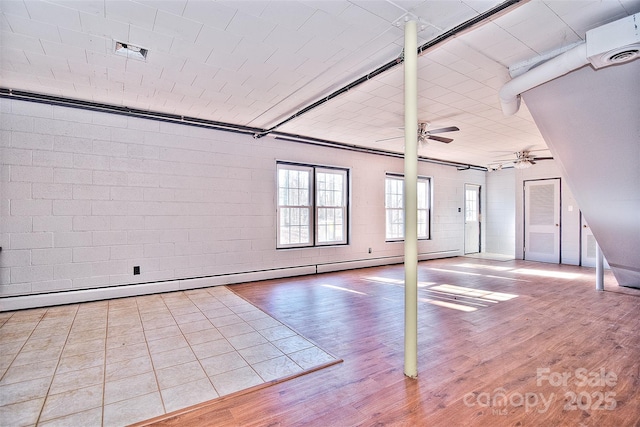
389 139
439 139
443 130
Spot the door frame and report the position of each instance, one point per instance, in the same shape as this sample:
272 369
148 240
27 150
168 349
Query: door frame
524 215
479 187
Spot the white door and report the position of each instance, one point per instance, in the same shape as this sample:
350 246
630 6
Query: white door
471 219
542 220
588 246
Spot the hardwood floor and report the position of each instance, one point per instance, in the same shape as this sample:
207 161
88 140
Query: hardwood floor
509 343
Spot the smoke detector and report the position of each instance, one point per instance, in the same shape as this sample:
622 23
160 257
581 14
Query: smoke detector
614 43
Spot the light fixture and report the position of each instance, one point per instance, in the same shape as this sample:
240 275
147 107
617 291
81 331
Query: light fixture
522 164
131 51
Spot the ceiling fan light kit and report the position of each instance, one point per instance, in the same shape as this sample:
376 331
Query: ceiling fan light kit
522 164
524 159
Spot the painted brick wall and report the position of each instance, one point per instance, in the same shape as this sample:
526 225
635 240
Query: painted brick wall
88 195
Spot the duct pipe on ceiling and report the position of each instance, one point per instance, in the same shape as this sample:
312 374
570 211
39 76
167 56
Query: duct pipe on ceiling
555 67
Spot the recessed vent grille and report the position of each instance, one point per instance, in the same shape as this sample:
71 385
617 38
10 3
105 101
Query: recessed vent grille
614 43
624 56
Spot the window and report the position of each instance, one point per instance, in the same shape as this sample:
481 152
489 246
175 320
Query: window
394 206
471 208
423 208
312 205
294 205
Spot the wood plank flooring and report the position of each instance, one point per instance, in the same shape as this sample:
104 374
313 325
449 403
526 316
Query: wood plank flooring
496 339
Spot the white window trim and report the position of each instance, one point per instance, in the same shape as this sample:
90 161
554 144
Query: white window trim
387 209
429 199
309 207
313 208
344 206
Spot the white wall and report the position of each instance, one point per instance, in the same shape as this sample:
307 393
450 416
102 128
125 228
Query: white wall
501 212
88 195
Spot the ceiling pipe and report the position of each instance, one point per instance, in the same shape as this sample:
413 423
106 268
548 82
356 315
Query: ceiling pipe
376 151
611 44
510 94
488 15
125 111
209 124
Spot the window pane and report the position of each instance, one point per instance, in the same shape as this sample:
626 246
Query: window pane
395 224
422 224
394 208
330 189
394 193
422 195
304 235
330 225
322 233
394 205
303 197
330 205
471 208
294 225
293 205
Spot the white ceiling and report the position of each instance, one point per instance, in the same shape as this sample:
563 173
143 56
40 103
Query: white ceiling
256 63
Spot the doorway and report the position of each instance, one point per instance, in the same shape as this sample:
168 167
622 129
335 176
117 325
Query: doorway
472 218
542 220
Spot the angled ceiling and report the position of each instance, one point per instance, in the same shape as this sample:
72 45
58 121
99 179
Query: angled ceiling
256 63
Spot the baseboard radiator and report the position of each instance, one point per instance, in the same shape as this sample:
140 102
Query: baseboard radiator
121 291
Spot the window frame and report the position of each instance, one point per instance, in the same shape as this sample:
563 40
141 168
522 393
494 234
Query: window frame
308 207
314 205
429 203
343 206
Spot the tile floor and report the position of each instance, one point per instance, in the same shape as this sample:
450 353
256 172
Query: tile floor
117 362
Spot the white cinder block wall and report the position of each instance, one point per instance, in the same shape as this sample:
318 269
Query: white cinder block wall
501 212
86 196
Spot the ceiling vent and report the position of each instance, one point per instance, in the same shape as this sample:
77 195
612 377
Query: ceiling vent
131 51
614 43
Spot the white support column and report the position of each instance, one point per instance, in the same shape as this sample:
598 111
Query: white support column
599 269
411 199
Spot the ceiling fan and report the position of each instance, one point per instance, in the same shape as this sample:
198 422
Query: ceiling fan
424 134
524 159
